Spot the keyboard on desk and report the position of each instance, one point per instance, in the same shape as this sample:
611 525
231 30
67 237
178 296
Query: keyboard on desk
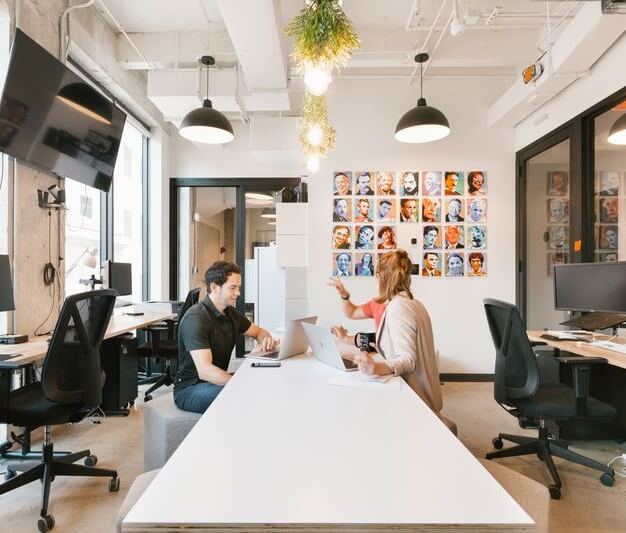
549 337
608 345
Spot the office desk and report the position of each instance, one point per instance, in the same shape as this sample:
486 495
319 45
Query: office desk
35 350
282 448
608 383
582 348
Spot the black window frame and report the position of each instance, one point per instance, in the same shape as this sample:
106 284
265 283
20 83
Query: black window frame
242 185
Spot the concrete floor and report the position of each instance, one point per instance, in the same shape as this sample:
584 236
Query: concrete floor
84 504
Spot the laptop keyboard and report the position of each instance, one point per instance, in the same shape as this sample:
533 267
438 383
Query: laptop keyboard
268 355
349 364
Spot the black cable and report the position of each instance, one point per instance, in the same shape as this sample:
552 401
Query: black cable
49 272
49 278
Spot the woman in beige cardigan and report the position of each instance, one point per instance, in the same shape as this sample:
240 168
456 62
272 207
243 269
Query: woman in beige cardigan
405 335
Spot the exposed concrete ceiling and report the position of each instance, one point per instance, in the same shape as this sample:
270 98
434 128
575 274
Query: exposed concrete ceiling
254 75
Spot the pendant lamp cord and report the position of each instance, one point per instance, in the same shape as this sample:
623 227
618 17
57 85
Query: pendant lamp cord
207 82
421 80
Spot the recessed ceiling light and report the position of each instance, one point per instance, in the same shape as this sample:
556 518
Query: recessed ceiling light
258 196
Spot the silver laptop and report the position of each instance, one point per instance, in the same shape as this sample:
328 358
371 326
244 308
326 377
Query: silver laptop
294 342
325 348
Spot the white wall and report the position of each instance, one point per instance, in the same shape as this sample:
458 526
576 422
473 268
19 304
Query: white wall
365 113
607 76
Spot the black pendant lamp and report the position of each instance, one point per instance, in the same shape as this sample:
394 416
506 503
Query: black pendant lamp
205 124
86 100
423 123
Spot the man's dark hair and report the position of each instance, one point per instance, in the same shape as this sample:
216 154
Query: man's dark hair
476 255
384 202
430 228
218 273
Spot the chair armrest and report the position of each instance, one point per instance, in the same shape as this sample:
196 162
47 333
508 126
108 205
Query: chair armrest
537 343
582 376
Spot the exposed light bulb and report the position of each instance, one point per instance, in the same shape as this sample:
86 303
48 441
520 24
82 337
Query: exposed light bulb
317 77
313 163
314 135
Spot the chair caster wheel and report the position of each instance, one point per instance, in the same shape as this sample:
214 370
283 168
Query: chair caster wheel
555 492
45 523
91 460
497 443
131 403
147 398
607 479
114 484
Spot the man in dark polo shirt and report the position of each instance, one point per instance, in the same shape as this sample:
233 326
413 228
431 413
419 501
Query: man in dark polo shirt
206 338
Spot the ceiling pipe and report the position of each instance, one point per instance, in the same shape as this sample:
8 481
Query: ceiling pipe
569 14
412 12
63 28
425 43
123 32
441 36
432 54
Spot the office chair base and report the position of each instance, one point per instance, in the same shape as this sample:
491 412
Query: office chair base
50 468
165 380
546 448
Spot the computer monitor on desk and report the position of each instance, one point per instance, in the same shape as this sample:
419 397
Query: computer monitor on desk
119 276
6 299
598 290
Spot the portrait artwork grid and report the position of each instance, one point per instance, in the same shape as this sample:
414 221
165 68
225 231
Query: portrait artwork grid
447 211
609 205
557 218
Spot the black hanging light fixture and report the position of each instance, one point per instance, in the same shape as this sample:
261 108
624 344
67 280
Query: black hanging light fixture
423 123
86 100
205 124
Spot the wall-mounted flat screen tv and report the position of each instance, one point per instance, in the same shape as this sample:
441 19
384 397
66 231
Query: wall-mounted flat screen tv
52 119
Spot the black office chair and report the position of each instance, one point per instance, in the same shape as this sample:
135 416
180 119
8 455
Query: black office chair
518 390
166 348
70 388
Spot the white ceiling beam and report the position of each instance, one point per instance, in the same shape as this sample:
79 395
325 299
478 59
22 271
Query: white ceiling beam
166 50
176 92
255 29
580 45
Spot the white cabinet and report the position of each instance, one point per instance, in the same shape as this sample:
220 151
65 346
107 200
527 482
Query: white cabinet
292 241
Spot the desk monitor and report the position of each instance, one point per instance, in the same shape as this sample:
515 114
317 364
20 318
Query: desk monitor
6 285
119 277
592 288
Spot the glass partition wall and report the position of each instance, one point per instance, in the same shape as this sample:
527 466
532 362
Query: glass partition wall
222 219
571 205
547 230
609 192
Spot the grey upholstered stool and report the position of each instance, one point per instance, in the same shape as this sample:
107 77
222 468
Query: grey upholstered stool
136 490
531 496
164 428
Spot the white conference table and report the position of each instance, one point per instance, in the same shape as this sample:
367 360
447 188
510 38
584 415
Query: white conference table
285 449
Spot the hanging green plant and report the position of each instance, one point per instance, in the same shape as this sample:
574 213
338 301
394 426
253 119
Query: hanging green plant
315 117
322 33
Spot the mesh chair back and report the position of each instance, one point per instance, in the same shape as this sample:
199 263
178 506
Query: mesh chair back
192 299
72 372
516 372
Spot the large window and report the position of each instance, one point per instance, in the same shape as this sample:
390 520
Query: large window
94 232
83 250
128 206
4 224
